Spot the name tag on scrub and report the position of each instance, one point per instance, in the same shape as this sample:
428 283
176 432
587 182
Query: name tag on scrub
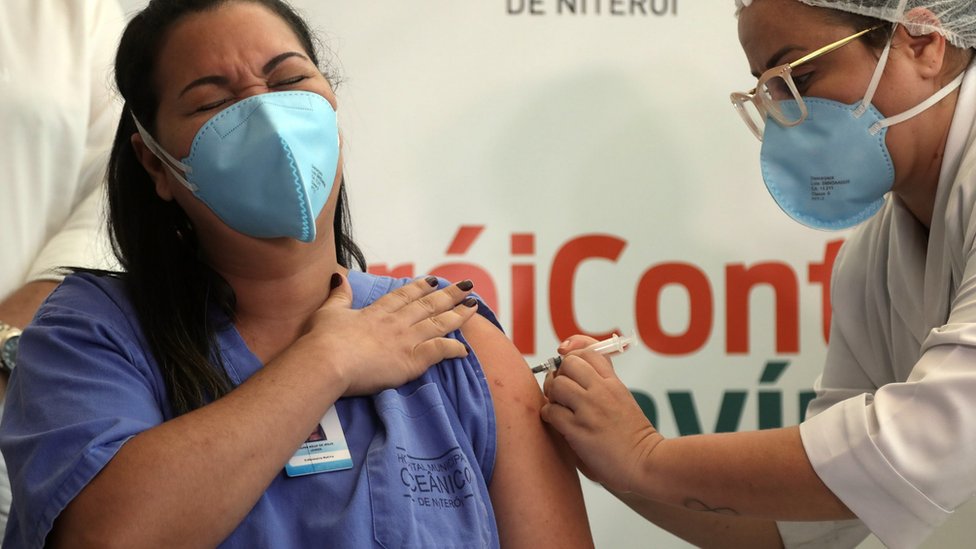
325 449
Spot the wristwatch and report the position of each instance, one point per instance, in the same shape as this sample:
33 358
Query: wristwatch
9 338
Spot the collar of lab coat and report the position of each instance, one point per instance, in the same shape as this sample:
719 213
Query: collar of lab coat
950 239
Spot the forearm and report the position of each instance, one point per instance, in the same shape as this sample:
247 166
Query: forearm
761 474
18 308
190 481
705 529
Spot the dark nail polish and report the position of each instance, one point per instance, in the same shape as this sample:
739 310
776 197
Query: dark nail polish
432 280
470 302
465 285
336 281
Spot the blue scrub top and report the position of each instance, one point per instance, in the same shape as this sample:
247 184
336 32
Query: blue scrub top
85 383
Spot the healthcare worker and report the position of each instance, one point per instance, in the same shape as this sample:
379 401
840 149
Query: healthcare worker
867 116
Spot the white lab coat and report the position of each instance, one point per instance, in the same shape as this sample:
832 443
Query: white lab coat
892 431
57 119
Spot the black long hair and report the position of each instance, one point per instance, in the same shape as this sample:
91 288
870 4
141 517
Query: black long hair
172 289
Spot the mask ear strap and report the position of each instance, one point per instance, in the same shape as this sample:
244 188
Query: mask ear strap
876 78
918 109
174 165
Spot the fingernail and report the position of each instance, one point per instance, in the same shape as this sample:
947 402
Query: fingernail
564 343
336 281
432 280
465 285
470 302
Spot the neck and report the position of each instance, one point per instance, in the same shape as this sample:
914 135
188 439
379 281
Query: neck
919 187
919 196
278 285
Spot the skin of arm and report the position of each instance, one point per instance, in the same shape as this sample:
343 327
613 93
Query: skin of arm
760 474
534 489
20 306
706 529
205 470
208 471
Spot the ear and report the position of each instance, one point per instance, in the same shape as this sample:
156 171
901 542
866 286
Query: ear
154 167
925 48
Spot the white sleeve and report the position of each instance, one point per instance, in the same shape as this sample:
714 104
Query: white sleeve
82 241
822 535
841 379
901 459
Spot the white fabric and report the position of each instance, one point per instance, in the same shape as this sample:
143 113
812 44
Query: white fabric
58 118
892 431
954 19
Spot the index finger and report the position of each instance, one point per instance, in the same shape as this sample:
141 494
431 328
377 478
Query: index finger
601 364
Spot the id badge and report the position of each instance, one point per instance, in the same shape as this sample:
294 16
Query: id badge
325 450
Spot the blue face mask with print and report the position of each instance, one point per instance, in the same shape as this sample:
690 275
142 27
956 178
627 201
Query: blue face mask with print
830 172
833 170
265 165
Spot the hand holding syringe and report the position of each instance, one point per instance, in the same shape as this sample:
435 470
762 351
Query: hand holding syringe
612 345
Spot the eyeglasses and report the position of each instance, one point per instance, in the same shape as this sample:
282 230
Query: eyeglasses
775 88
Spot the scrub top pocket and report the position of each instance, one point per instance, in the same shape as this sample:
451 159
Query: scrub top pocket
424 488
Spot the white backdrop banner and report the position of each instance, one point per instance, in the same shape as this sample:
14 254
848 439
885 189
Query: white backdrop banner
581 162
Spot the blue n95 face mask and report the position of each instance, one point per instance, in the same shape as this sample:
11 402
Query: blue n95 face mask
265 165
833 170
830 172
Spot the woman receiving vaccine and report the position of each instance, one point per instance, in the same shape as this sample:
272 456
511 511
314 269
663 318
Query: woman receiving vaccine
866 110
238 385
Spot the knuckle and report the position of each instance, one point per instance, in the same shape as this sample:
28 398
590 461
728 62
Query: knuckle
400 295
438 323
450 347
427 305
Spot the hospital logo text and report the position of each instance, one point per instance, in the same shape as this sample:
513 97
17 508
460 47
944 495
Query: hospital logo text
590 8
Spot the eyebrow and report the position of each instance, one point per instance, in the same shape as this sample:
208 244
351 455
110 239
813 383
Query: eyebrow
218 80
774 59
278 59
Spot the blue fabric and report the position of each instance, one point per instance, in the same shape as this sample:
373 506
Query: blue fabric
422 453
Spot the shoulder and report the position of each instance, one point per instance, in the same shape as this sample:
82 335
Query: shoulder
88 293
95 304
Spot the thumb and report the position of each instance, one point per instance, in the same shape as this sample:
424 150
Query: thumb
575 343
340 293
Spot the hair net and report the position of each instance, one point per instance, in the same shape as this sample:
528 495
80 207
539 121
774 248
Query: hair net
954 19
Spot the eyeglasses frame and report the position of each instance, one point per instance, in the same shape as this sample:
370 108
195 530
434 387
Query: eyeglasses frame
739 99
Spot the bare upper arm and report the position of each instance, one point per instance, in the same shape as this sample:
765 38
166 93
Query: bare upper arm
535 489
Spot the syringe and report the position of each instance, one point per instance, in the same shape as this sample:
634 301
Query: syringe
613 345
